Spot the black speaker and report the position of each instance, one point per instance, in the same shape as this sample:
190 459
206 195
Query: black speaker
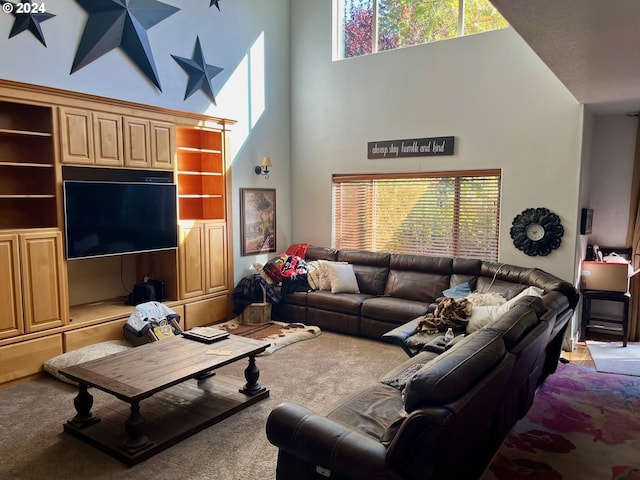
158 287
151 290
142 292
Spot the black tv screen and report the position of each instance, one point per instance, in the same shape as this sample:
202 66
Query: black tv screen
115 218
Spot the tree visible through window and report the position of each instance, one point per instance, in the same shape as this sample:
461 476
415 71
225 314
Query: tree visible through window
452 214
369 26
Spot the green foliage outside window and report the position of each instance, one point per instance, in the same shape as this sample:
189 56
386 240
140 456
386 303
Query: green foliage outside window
402 23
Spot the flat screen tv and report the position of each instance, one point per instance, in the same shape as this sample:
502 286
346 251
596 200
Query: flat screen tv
115 218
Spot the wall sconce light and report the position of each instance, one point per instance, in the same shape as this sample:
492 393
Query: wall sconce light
263 168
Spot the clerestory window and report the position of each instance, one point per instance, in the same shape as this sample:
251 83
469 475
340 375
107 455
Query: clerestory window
452 214
370 26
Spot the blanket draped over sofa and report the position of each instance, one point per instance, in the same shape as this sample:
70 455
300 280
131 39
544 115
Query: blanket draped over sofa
443 413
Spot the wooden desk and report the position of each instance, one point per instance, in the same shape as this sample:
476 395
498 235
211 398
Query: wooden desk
589 295
178 408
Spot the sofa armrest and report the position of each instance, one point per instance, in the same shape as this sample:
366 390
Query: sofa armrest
399 335
324 443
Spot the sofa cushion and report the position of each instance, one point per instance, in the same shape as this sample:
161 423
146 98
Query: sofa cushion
516 324
418 277
371 269
350 303
371 279
320 253
419 286
393 310
369 411
456 371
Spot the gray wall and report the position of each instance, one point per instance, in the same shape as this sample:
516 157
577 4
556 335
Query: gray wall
503 105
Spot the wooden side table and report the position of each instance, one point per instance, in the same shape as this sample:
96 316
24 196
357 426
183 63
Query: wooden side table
589 295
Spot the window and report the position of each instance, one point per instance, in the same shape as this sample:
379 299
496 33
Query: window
369 26
452 214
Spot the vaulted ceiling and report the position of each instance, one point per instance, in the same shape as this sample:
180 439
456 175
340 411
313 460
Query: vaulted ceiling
592 46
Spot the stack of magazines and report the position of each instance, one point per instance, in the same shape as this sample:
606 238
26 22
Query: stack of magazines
206 334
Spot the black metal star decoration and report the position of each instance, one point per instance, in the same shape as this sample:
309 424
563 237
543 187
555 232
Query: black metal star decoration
121 23
27 21
215 2
200 74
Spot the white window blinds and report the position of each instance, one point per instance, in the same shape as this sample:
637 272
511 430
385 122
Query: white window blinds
453 214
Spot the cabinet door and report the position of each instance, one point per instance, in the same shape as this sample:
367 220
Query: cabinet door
191 261
216 257
76 136
137 148
162 145
10 294
43 280
107 134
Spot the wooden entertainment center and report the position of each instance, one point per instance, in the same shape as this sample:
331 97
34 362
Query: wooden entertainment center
49 135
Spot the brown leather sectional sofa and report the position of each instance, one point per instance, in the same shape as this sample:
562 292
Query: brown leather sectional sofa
440 414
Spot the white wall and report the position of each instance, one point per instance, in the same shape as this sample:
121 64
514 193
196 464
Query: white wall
503 105
253 78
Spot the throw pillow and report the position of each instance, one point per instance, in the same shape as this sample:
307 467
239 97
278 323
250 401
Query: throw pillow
530 291
273 268
481 316
459 291
342 277
486 299
325 281
81 355
313 274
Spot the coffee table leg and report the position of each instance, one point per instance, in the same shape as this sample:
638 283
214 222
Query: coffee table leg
83 403
134 426
251 374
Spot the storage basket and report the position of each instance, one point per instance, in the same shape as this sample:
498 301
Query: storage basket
257 313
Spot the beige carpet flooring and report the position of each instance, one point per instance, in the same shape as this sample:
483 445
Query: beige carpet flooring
313 373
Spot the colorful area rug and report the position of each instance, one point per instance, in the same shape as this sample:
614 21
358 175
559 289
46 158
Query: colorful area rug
612 357
280 334
582 425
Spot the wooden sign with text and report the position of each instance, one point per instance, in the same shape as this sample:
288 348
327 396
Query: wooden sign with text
411 147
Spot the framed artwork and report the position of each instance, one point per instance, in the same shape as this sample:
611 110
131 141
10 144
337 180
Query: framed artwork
257 220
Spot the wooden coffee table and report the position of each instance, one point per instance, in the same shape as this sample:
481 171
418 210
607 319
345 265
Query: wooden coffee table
176 407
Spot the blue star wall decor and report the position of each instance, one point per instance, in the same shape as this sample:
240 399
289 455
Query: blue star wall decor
121 23
215 2
28 17
200 74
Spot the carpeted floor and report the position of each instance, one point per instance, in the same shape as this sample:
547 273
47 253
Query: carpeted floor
313 373
612 357
582 425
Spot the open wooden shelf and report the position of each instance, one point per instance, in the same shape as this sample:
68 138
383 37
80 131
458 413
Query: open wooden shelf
27 161
201 175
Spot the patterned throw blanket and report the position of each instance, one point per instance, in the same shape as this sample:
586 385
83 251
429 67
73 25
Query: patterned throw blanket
451 313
